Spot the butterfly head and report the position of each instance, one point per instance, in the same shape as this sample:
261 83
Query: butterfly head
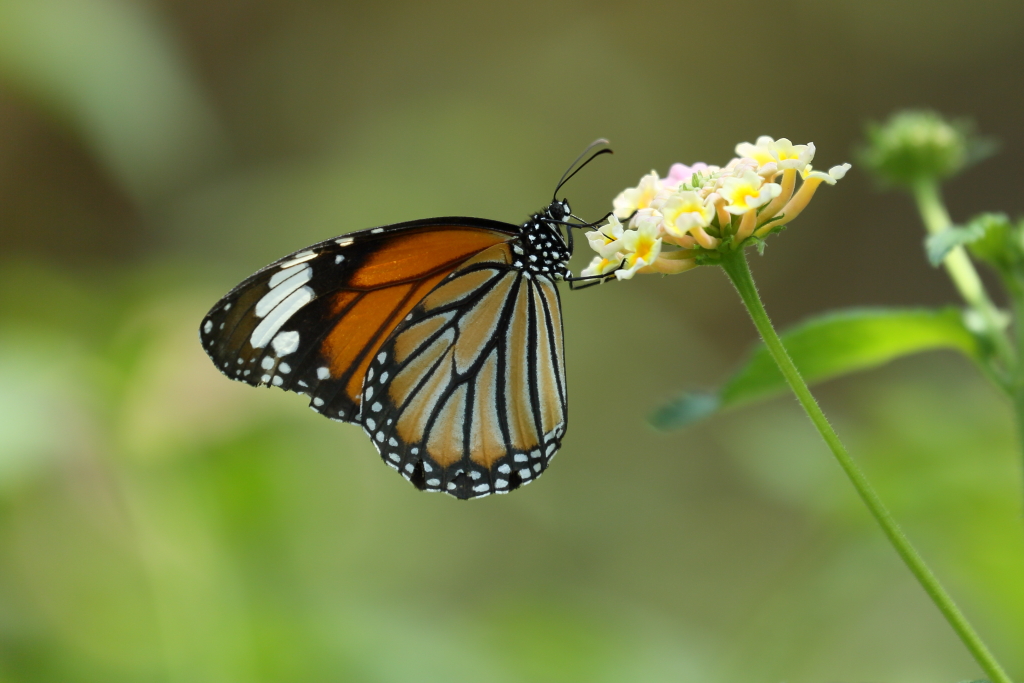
558 210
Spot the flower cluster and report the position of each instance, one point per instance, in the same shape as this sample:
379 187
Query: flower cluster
701 209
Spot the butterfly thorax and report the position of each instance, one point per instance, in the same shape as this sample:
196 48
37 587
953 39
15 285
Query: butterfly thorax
540 247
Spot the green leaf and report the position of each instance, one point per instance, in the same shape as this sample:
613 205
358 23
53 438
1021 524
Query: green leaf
940 244
828 346
1000 245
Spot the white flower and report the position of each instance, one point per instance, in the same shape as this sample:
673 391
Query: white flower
759 151
601 266
839 172
607 240
683 211
768 171
639 197
835 173
642 247
747 192
789 155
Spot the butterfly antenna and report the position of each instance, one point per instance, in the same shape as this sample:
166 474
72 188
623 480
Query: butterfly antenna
567 175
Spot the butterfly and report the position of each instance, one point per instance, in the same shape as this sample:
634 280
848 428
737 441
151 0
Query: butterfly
441 337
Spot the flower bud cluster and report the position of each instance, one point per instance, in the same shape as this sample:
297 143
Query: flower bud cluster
915 147
701 209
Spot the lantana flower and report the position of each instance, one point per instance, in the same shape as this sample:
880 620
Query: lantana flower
788 155
642 245
681 173
760 151
747 192
601 266
640 197
607 240
683 211
700 211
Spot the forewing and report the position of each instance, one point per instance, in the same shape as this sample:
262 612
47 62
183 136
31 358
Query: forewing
312 321
467 395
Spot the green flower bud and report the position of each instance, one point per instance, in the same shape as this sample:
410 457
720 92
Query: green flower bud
920 146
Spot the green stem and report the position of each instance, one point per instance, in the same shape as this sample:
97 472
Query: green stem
1017 381
962 272
735 265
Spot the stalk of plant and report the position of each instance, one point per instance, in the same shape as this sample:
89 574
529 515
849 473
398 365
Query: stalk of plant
916 151
735 266
710 215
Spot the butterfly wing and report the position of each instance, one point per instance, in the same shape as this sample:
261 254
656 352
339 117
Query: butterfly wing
467 395
312 321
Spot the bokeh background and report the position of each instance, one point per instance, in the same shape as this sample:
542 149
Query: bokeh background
160 523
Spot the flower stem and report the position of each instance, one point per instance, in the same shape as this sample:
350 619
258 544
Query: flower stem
962 272
735 265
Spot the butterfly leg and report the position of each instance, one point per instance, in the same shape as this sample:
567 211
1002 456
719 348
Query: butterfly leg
588 281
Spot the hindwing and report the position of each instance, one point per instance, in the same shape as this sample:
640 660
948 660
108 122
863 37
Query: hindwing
468 395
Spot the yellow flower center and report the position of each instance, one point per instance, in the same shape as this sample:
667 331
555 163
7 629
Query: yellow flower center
743 193
644 247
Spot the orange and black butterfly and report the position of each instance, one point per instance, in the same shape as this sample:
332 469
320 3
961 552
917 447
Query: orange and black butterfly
442 337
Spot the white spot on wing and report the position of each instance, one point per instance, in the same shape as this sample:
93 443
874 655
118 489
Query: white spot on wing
345 241
208 327
338 259
267 363
301 257
269 326
376 231
283 275
285 343
280 291
322 373
318 401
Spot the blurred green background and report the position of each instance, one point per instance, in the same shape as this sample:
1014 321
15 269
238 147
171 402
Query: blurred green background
160 523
